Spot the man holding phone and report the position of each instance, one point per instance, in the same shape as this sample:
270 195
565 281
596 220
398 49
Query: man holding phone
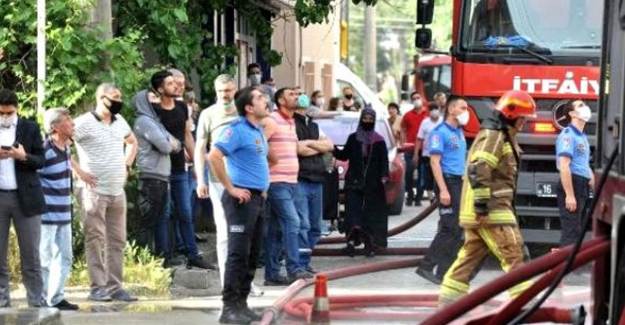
21 197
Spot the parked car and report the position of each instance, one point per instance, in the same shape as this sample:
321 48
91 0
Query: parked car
338 128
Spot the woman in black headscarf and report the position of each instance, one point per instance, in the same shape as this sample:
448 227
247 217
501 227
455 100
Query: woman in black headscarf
366 211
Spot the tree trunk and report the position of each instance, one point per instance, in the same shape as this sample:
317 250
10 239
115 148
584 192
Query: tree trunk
101 18
370 52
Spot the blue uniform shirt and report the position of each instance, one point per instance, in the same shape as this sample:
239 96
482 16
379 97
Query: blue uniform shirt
448 142
246 148
574 144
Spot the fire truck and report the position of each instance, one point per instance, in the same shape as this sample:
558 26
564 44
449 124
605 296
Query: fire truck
551 49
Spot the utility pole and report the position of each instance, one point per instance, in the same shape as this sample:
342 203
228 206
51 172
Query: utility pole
41 55
370 48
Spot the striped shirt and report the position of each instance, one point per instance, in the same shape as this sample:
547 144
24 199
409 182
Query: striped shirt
282 139
56 182
100 149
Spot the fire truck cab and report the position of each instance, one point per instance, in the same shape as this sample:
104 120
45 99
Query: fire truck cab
551 49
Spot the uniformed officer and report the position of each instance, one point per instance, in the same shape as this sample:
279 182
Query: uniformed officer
245 184
448 150
576 177
486 207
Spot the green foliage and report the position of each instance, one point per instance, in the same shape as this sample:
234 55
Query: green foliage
143 273
77 59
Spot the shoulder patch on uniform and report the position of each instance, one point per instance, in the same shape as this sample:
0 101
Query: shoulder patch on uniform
435 140
566 142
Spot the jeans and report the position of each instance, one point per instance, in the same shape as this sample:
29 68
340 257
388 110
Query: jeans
245 228
284 215
309 202
181 199
409 176
154 223
55 251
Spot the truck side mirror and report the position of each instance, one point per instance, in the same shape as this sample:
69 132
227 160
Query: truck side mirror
425 11
405 83
423 38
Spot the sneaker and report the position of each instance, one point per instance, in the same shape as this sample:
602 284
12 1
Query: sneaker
123 295
233 315
428 275
201 263
279 281
245 310
65 305
255 291
99 294
310 270
299 275
200 239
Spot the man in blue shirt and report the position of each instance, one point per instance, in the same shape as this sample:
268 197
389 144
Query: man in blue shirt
448 150
245 182
576 177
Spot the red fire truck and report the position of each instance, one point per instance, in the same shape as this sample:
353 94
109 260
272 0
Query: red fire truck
550 49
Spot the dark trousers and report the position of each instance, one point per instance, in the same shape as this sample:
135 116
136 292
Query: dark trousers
409 176
425 179
153 225
571 222
448 239
28 231
245 232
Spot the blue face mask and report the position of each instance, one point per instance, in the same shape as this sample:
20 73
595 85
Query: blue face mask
303 101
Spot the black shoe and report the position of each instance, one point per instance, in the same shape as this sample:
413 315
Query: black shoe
244 309
65 305
417 203
99 294
409 202
299 275
173 261
369 252
232 315
349 250
199 239
123 295
277 282
428 275
310 270
201 263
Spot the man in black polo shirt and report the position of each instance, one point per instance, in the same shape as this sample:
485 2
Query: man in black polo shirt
311 146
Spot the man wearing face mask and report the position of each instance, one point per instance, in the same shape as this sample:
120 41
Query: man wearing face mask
576 177
21 197
486 205
410 124
106 150
447 148
350 104
421 145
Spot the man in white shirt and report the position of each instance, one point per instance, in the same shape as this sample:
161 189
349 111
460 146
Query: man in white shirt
423 162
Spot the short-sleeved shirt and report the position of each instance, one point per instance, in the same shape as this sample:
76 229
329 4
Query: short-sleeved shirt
56 183
574 144
283 146
411 122
212 121
448 142
424 133
100 149
175 121
244 144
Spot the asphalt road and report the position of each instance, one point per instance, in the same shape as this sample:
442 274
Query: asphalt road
402 281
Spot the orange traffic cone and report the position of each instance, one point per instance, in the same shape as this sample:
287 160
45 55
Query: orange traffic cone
320 313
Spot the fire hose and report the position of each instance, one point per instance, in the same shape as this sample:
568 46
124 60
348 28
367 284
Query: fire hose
299 285
393 231
518 275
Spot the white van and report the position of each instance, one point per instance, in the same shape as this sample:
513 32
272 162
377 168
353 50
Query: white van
345 77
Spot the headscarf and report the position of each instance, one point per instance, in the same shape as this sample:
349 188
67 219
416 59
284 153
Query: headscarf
367 138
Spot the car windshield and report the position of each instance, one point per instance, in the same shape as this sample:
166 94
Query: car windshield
338 129
547 27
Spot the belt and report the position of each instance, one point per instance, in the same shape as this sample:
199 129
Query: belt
253 191
452 176
7 191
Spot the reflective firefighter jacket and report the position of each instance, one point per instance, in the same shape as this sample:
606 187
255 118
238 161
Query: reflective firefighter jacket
490 181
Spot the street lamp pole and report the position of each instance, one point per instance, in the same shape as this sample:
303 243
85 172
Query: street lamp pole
41 54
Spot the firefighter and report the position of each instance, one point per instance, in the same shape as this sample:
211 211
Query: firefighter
486 207
576 178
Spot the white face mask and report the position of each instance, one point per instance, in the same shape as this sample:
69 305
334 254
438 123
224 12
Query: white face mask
463 118
320 102
583 113
7 121
417 103
434 114
255 79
